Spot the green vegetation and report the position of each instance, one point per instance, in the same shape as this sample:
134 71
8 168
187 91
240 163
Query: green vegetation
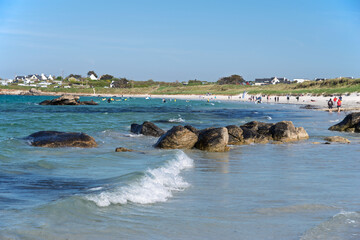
85 85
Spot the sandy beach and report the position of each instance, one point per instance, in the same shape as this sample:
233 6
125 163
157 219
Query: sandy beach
349 103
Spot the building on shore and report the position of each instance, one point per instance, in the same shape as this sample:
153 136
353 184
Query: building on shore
272 80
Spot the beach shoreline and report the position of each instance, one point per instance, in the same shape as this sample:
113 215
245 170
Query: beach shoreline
350 102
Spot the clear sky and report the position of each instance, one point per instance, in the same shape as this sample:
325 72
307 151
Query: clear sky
181 39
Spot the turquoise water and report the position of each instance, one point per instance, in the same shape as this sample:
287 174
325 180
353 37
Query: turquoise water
290 191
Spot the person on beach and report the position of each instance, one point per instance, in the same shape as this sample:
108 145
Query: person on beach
330 105
339 105
335 99
297 97
287 98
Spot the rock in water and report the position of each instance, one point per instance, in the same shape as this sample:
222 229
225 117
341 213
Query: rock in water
235 135
147 129
337 139
351 123
122 149
285 131
61 139
256 132
67 100
177 137
213 140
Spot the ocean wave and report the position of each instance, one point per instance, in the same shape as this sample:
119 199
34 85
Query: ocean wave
344 225
178 120
156 186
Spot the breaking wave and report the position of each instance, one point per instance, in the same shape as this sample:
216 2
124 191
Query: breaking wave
157 185
178 120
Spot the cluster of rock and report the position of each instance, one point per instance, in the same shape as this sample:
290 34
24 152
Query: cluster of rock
351 123
218 139
209 139
67 100
54 139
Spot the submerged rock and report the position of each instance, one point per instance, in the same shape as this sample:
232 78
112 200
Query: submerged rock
61 139
122 149
213 140
351 123
337 139
177 137
67 100
147 129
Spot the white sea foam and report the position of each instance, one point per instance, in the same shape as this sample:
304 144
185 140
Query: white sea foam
156 186
179 120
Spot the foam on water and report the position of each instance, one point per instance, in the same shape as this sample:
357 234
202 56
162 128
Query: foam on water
156 186
344 225
178 120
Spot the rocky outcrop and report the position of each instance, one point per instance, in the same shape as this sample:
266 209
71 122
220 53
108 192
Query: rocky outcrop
177 137
67 100
337 139
235 135
256 132
54 139
351 123
213 140
122 149
285 131
147 129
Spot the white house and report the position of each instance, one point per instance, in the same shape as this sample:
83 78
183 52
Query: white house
43 77
5 82
300 80
92 77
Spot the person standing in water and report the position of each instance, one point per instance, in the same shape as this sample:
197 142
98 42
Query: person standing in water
330 105
339 105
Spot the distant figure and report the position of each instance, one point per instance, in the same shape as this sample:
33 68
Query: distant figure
109 100
340 98
335 99
287 98
164 100
330 105
339 105
297 98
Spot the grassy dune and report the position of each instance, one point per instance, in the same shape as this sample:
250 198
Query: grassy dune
333 86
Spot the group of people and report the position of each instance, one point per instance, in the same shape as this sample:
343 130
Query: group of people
337 101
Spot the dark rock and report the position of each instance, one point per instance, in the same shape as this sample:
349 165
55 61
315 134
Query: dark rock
351 123
67 100
88 103
285 131
309 107
61 139
213 140
235 135
122 149
177 137
147 129
135 128
256 132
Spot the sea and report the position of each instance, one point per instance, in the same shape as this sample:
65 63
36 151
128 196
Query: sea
295 190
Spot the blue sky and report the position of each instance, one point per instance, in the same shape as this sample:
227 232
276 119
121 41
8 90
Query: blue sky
181 40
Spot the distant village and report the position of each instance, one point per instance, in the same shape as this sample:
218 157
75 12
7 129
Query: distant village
44 81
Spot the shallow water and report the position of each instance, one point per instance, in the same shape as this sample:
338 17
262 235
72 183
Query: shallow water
290 191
